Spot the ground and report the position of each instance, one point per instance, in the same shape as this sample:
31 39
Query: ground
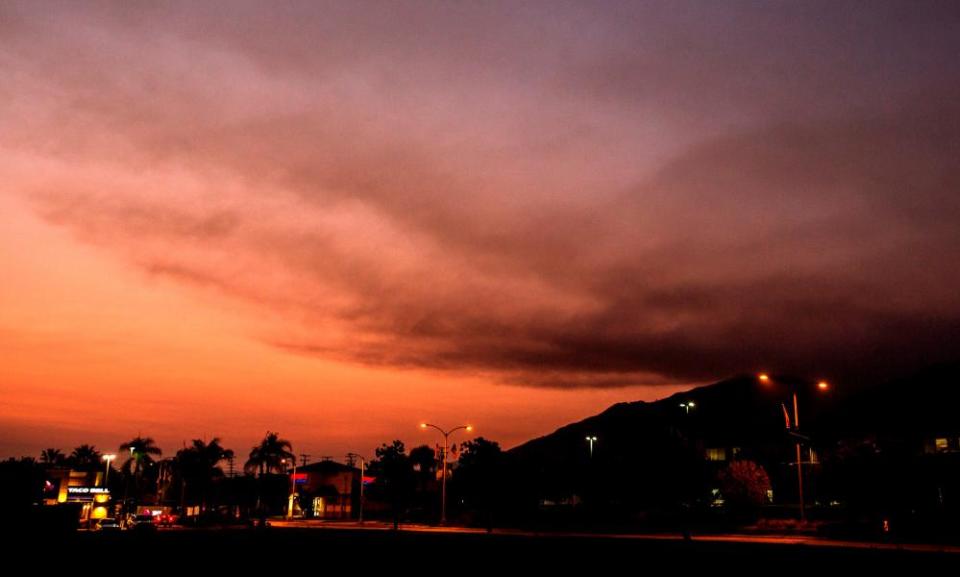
419 550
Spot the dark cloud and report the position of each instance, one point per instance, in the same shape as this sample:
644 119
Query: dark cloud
551 197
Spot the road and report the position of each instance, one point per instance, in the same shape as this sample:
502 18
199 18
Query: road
768 539
304 547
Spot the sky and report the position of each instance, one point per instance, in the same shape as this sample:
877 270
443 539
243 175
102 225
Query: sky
337 220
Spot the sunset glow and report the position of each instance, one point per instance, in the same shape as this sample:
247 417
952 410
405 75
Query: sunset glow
340 221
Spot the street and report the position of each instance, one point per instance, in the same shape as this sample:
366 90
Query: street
292 545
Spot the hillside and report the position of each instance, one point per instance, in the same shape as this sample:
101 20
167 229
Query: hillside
740 411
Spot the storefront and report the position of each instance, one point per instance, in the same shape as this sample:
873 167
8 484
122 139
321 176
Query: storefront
95 501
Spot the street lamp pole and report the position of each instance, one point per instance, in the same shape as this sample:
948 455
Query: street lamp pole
591 439
293 489
106 470
362 467
822 385
796 426
443 463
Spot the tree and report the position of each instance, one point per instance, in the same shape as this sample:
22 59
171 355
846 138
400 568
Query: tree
142 451
85 458
269 455
480 477
744 485
423 461
394 477
52 457
198 466
265 458
22 481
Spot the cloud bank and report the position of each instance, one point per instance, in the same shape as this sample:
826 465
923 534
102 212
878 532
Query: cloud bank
564 195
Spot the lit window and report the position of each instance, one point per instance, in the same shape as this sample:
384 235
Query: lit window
719 454
942 444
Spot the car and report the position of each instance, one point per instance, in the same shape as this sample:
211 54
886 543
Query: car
143 523
107 524
166 520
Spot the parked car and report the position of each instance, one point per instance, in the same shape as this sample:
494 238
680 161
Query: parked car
144 523
107 524
166 520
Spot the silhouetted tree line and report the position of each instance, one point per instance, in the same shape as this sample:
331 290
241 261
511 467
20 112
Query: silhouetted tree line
646 475
479 489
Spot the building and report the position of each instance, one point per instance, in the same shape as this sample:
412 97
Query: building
328 490
64 485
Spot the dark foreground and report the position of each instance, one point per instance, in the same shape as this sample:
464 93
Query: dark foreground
297 550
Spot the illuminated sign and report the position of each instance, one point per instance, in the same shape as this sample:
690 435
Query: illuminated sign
88 493
51 489
87 490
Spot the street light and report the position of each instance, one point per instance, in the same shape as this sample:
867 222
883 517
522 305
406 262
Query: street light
362 467
821 385
106 471
688 405
443 462
293 487
591 440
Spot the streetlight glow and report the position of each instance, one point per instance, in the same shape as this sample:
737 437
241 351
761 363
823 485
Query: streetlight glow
591 439
106 469
822 386
443 463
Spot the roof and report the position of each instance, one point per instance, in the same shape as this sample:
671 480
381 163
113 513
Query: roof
326 466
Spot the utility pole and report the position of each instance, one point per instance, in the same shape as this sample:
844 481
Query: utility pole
351 458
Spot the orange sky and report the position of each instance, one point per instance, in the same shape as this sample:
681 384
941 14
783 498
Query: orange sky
334 220
95 351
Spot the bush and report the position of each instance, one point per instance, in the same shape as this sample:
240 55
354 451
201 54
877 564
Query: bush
744 486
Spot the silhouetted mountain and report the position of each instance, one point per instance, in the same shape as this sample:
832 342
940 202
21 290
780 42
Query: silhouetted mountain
736 411
661 448
743 411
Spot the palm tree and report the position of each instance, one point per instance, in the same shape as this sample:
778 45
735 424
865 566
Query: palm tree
199 464
51 457
269 455
85 458
142 450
